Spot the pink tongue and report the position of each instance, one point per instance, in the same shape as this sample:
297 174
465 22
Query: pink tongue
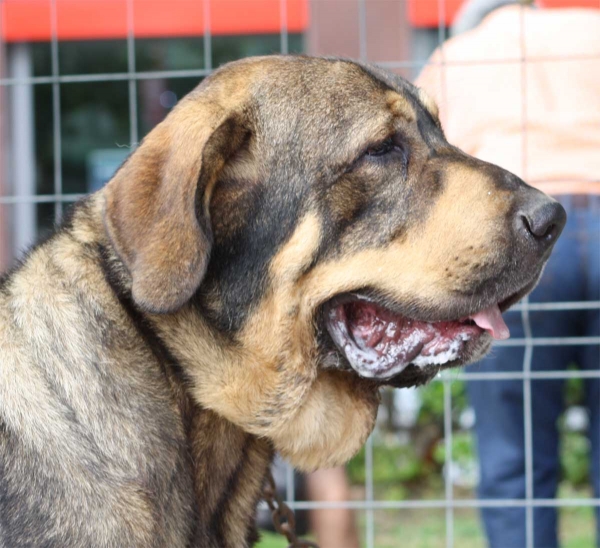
491 320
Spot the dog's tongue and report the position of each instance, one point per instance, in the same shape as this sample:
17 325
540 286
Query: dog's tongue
491 320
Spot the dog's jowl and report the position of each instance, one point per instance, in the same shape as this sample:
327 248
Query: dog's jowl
295 234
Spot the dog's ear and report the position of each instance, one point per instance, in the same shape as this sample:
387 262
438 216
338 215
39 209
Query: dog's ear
157 205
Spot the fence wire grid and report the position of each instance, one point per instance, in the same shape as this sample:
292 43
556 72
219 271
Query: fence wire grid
13 196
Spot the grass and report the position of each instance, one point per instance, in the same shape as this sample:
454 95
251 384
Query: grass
427 528
271 540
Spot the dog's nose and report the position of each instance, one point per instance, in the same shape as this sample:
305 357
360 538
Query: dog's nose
542 223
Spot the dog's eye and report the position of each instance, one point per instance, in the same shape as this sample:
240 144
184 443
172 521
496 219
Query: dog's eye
389 151
382 148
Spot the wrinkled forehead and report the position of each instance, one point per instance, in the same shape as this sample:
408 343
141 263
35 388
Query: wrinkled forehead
327 98
427 112
392 82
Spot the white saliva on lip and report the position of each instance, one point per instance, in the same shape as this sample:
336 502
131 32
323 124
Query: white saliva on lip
394 359
379 344
444 356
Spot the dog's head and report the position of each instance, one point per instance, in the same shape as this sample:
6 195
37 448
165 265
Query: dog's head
310 219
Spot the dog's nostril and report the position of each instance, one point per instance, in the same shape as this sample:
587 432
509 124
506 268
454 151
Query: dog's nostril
544 223
539 230
525 222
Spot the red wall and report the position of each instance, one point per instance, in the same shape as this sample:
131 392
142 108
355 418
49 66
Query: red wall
29 20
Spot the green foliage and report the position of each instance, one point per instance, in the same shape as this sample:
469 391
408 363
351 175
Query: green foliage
463 449
432 402
356 468
575 458
574 446
574 391
393 465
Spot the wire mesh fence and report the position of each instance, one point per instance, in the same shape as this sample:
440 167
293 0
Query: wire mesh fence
23 195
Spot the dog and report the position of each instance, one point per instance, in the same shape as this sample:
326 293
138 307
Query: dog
295 234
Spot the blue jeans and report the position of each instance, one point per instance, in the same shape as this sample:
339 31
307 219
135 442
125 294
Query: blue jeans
572 274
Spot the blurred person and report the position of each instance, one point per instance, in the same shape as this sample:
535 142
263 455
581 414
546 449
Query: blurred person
540 120
333 527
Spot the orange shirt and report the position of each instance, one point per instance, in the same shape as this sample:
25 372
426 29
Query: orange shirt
540 118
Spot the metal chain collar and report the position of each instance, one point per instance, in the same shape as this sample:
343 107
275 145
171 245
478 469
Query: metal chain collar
283 517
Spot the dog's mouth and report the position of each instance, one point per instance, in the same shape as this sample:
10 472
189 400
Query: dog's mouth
380 344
